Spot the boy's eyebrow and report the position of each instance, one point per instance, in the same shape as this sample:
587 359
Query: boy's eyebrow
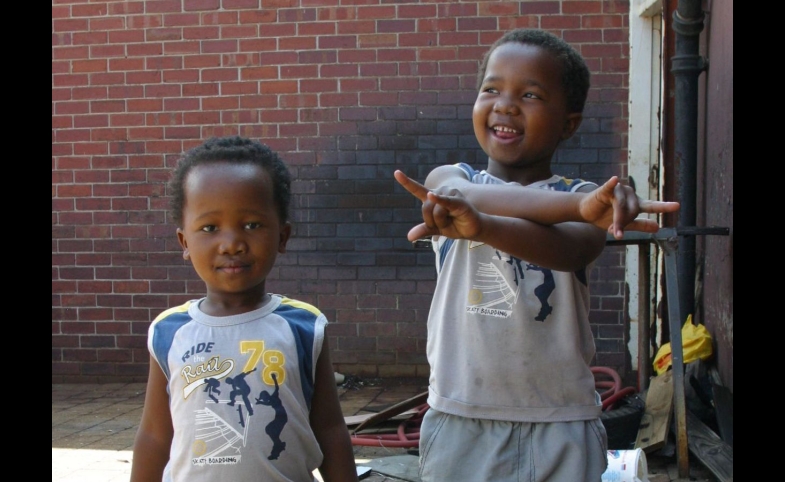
526 82
251 212
204 215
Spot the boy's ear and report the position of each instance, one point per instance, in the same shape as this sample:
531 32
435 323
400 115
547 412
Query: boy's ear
571 124
184 244
283 236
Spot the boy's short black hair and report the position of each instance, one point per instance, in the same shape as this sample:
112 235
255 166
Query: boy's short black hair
575 73
233 150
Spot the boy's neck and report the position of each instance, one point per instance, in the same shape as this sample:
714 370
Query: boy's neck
223 305
522 175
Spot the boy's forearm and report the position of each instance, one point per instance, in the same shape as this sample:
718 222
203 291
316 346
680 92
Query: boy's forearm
538 205
149 458
332 434
154 435
562 247
338 464
328 424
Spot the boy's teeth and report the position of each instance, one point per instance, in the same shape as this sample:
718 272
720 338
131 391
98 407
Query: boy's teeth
504 129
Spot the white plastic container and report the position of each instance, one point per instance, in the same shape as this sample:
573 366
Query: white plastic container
626 466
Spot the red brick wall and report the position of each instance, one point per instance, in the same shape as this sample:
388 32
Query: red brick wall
347 91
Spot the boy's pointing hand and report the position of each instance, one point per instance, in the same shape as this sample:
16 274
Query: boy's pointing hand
415 188
615 207
448 215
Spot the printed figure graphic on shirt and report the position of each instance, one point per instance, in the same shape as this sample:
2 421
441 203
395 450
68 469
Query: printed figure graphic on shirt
211 386
240 387
492 293
227 449
275 427
543 291
517 265
497 287
207 449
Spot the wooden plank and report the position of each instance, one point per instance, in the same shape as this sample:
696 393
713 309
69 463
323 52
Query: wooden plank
357 419
710 449
655 422
397 409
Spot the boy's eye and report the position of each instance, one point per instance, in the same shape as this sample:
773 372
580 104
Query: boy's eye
530 95
209 228
252 225
490 90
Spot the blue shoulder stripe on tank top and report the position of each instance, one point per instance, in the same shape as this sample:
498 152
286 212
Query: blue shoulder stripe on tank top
302 324
163 334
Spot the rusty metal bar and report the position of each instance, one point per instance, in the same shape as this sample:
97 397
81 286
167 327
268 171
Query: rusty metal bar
671 246
644 315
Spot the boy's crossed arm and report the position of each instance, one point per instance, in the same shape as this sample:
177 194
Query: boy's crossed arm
613 206
533 224
565 246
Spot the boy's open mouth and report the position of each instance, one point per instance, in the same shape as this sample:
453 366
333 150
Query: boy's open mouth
505 132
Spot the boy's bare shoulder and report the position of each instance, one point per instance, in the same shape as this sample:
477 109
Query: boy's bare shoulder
445 174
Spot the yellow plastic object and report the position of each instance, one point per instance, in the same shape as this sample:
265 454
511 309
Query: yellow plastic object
696 341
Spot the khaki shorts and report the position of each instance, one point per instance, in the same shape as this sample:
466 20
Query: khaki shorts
455 449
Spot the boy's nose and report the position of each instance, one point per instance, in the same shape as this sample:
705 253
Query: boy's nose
232 243
505 106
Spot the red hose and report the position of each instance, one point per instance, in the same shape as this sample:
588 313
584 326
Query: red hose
407 434
609 402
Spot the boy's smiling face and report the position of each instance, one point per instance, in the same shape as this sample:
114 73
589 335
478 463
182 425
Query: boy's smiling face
520 115
231 233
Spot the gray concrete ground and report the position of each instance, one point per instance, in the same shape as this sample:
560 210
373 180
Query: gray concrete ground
93 428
